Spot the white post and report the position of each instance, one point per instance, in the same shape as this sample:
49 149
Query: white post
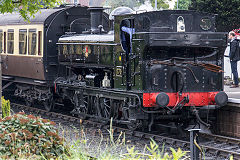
177 4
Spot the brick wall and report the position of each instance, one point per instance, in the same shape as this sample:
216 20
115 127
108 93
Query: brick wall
228 120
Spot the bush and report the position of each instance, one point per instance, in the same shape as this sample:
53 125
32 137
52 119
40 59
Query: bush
26 135
5 107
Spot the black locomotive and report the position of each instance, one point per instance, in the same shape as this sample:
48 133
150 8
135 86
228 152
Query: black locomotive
139 69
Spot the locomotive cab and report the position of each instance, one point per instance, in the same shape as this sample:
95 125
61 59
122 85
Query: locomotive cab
87 57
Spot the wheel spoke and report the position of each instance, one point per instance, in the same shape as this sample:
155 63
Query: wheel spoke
106 108
48 104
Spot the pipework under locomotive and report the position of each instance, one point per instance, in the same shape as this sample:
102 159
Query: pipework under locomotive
167 65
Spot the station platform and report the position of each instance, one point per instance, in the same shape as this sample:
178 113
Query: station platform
233 94
228 116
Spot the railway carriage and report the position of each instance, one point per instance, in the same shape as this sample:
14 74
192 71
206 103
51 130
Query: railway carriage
29 50
140 69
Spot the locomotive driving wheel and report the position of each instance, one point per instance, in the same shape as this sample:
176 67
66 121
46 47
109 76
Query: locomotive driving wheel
29 101
106 109
49 104
133 124
83 109
80 106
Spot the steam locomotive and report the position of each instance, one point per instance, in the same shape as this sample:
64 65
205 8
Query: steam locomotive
140 69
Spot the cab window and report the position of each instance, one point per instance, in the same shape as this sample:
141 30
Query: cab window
10 41
78 49
65 49
23 41
32 41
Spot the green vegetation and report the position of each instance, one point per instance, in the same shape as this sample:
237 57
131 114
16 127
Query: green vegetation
24 136
161 4
28 137
126 3
112 147
27 8
183 4
151 152
5 107
227 10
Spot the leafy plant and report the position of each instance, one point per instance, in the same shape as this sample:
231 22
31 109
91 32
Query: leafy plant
115 148
24 135
177 154
163 4
5 107
155 153
26 8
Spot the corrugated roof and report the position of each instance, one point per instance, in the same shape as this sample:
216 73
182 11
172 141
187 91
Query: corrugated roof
15 18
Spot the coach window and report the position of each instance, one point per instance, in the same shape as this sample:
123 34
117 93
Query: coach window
32 41
10 41
1 41
39 43
23 41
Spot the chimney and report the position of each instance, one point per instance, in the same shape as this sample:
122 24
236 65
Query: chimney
96 18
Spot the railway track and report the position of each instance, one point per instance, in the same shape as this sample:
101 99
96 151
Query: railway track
214 146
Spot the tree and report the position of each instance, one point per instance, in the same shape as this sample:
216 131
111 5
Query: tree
141 1
182 4
162 4
26 8
228 12
118 3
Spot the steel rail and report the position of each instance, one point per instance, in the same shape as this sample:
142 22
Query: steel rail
212 149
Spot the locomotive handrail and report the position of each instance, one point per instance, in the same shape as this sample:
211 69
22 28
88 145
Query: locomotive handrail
141 10
162 27
110 44
211 39
137 39
165 39
224 33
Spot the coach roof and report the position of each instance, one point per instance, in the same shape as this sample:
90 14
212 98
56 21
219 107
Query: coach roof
15 18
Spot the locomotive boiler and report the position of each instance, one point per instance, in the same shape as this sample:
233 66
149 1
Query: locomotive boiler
140 69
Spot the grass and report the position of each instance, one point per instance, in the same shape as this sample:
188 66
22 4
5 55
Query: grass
83 146
101 146
110 146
